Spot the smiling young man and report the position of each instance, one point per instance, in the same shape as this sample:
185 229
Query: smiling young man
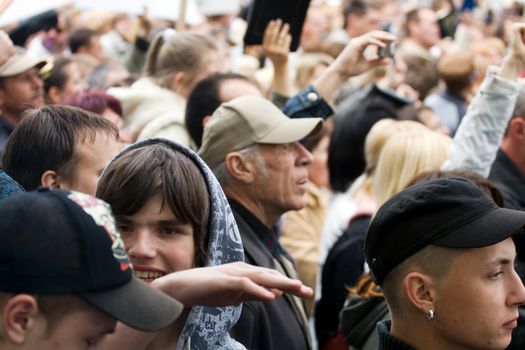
173 216
444 256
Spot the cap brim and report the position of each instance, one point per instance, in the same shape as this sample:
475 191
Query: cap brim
137 305
490 228
293 130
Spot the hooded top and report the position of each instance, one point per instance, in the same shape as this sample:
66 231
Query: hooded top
153 111
207 327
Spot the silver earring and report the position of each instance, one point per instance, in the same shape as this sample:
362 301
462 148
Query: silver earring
430 314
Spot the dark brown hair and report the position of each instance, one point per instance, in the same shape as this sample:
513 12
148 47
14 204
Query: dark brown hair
57 76
132 179
358 8
46 139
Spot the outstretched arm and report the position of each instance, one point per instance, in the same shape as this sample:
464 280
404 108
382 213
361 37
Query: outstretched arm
221 285
478 136
351 61
229 284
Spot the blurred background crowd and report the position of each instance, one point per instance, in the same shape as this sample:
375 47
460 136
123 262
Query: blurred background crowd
160 69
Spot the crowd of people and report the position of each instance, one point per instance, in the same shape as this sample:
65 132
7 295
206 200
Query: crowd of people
166 188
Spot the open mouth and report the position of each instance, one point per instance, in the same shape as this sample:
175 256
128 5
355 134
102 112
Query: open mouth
148 276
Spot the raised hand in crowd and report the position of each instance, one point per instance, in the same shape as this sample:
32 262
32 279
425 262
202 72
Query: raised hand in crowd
276 46
351 62
229 284
513 62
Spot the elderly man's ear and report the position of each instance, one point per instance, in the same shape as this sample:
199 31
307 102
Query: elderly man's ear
240 167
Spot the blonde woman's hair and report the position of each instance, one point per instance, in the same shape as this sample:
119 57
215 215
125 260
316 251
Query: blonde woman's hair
171 52
306 67
406 155
376 139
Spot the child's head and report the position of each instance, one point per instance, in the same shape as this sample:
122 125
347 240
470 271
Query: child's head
161 202
178 61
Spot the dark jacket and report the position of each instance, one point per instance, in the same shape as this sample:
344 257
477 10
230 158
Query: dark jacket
343 267
5 130
387 341
359 319
354 117
266 325
509 180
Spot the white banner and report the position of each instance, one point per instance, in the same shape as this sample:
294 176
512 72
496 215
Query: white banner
22 9
165 9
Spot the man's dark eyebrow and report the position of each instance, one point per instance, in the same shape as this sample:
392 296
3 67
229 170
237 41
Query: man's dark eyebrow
122 218
501 261
169 222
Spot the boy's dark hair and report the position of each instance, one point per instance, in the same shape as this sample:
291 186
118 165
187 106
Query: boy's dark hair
357 7
79 38
422 74
46 140
139 174
57 76
203 100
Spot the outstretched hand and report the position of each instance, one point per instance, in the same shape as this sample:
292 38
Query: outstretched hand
229 284
276 42
514 61
517 45
351 61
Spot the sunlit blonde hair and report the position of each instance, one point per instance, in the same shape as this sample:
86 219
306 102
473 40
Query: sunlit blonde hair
376 139
170 53
306 67
404 156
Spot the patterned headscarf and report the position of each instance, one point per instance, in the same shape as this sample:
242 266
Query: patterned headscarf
207 327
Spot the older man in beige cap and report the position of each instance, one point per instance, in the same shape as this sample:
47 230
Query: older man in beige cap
254 150
20 87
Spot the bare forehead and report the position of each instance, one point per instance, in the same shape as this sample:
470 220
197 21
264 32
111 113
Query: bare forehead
427 15
501 252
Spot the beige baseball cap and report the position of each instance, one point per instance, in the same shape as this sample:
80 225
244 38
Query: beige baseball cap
249 120
19 62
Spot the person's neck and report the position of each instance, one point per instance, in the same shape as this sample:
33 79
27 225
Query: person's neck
167 338
10 117
352 32
266 215
420 44
419 333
